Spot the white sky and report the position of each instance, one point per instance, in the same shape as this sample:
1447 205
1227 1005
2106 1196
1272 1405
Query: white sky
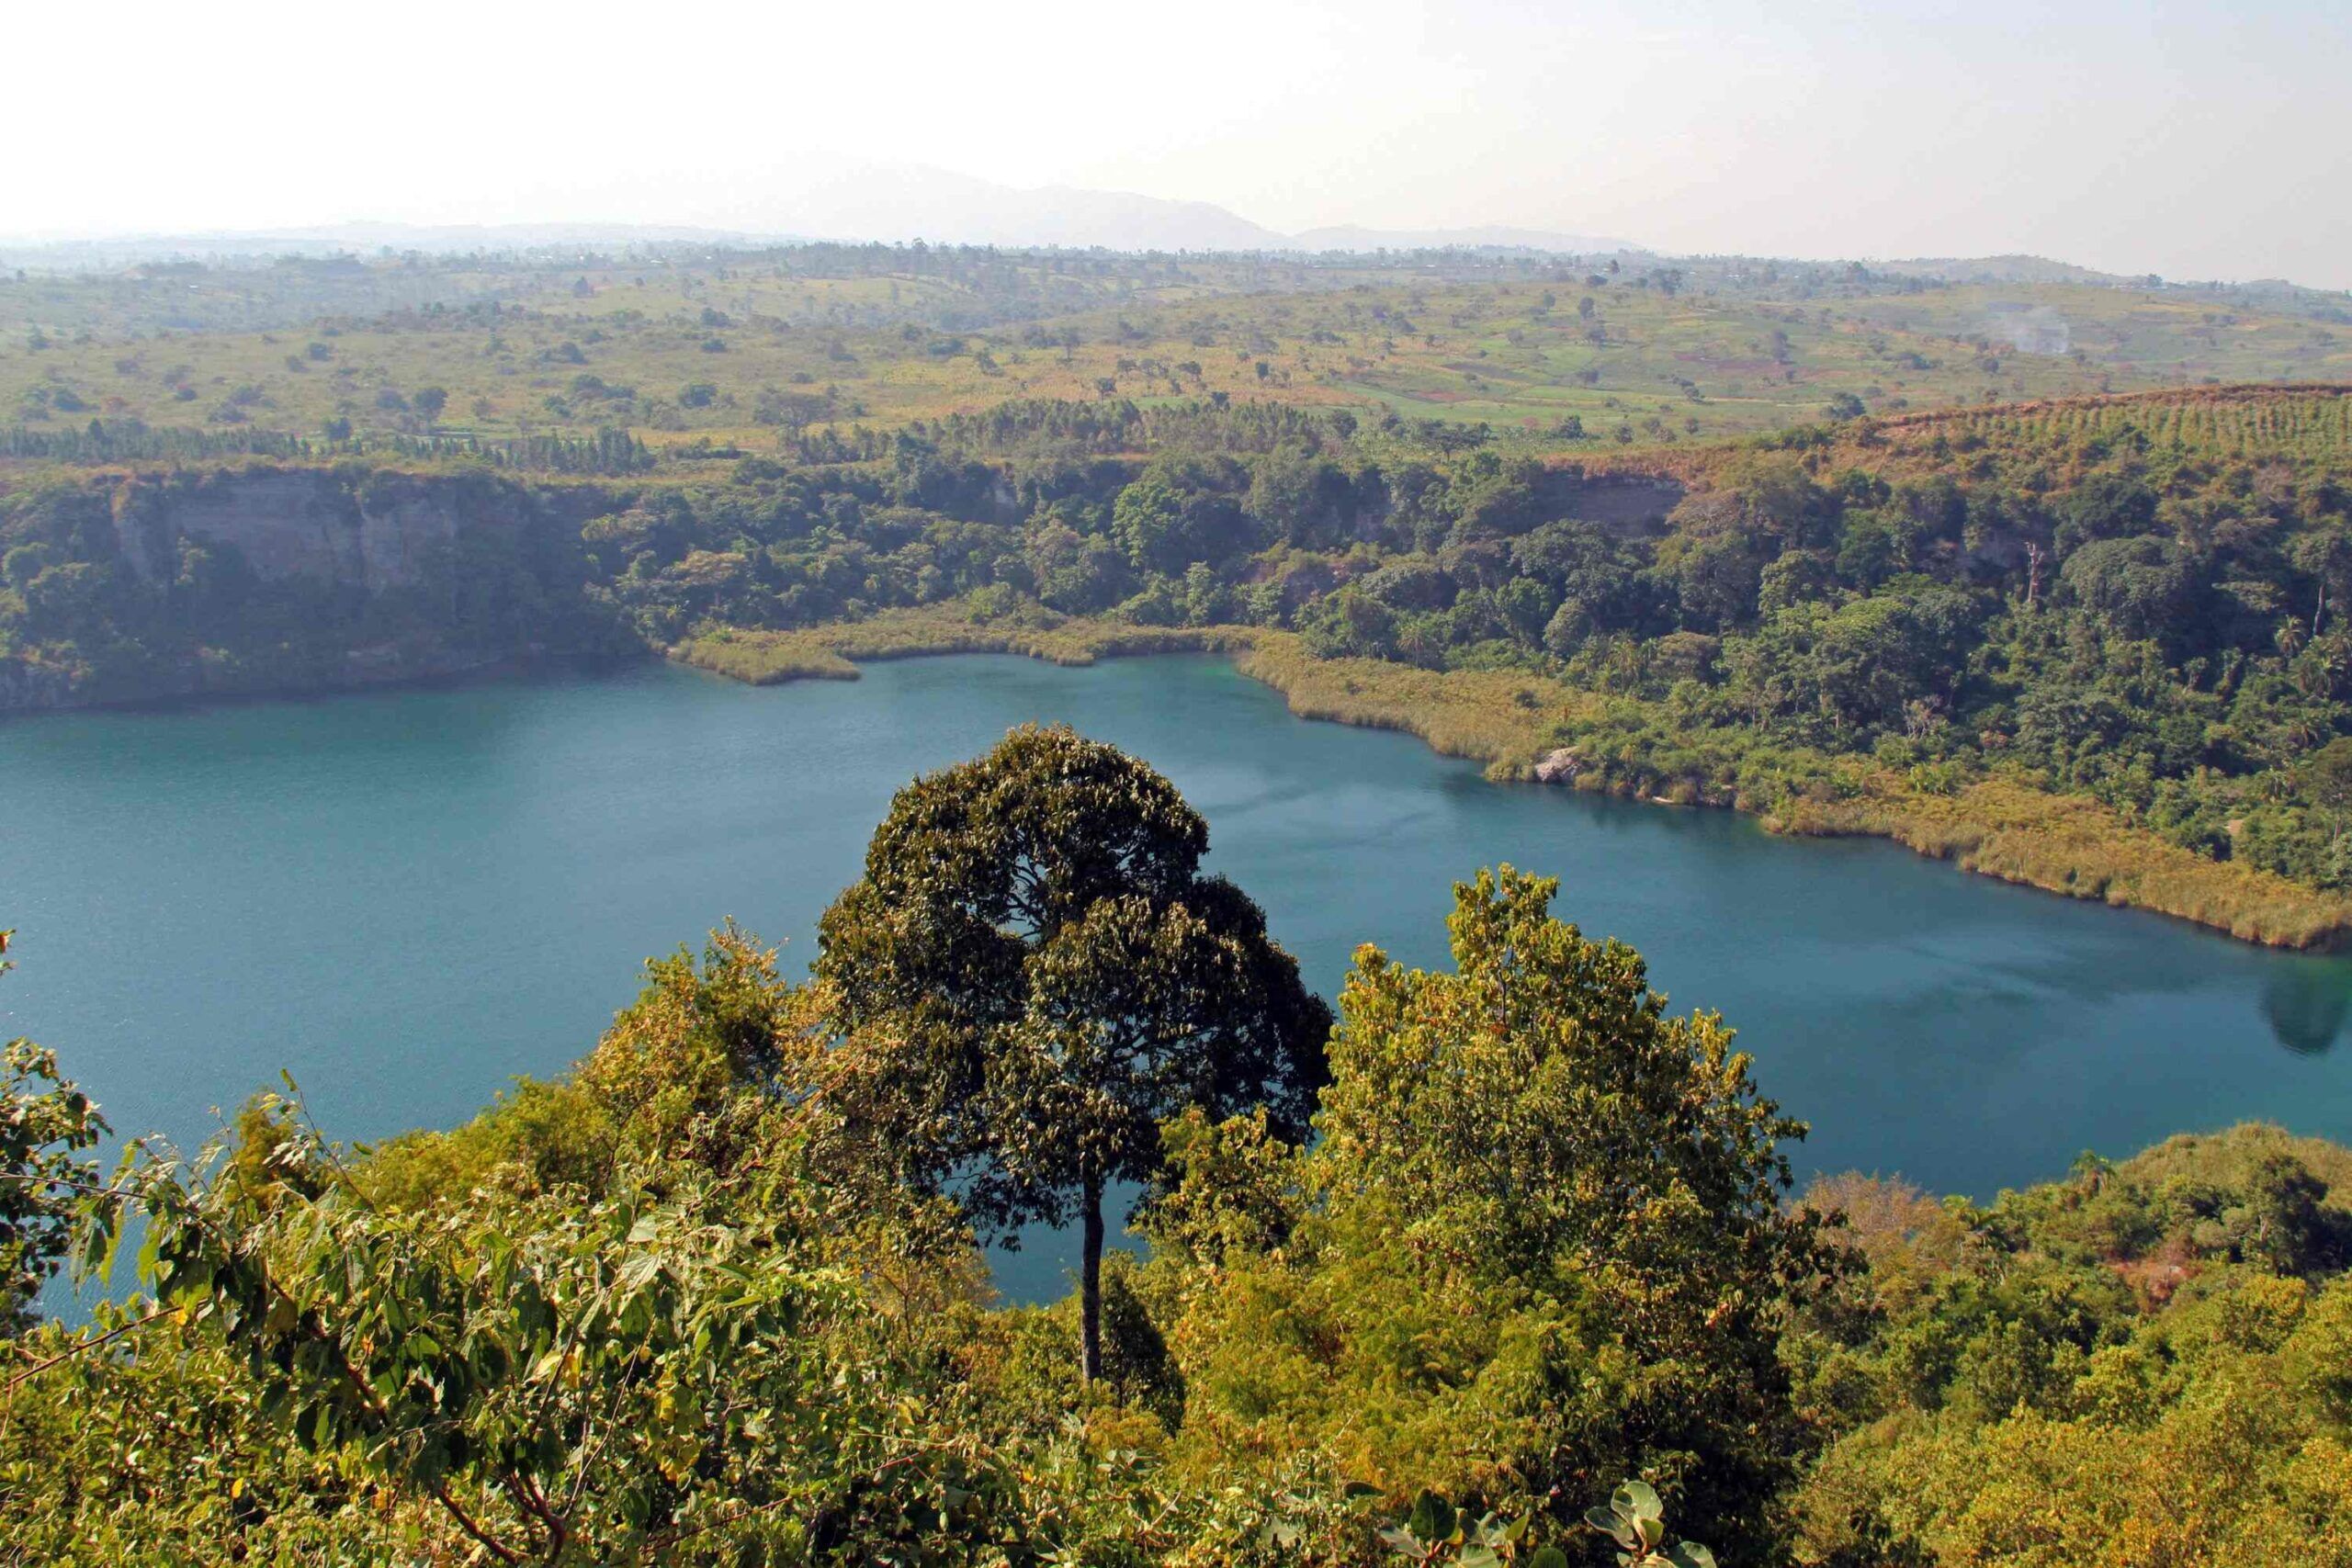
2192 139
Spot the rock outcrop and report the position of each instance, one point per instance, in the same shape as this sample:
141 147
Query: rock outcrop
1559 767
29 688
374 531
260 579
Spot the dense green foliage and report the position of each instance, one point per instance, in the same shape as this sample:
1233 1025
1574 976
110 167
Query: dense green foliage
45 1123
2143 1363
684 1305
2142 603
1540 1211
1036 977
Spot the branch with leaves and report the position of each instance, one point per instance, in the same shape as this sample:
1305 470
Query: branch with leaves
1437 1531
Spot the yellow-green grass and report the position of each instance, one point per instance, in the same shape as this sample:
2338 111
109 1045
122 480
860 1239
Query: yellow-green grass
2074 846
2308 419
1510 720
834 653
1474 352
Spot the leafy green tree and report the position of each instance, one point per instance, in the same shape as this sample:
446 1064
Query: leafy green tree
2142 586
1350 624
1541 1238
662 1373
1176 513
1207 601
1718 576
1527 606
2328 775
45 1123
2325 556
1033 974
1073 572
1410 583
1538 1111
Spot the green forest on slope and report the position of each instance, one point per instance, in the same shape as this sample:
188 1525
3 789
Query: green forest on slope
1499 1264
2043 572
2033 568
1934 625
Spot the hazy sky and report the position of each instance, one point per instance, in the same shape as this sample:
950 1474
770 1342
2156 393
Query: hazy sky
2196 141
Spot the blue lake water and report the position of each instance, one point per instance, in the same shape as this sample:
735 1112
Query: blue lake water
405 897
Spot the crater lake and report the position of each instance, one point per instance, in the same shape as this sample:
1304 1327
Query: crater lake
405 897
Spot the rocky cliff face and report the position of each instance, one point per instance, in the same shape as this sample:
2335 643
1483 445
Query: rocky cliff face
31 688
374 531
1626 505
263 578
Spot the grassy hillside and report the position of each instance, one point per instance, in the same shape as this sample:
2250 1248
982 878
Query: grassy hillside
1860 551
680 346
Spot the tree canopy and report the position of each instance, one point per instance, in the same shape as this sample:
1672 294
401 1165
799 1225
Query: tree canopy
1539 1209
45 1123
715 1296
1033 974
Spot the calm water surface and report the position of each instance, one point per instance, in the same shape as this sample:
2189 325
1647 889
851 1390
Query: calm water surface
406 897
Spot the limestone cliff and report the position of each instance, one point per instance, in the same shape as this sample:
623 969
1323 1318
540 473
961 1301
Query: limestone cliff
273 579
372 530
296 524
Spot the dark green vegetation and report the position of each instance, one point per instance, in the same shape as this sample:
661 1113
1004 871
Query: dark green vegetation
46 1126
1038 977
187 581
1706 508
707 1299
1922 626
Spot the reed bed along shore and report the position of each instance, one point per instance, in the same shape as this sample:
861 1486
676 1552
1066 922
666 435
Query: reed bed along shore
834 652
1527 726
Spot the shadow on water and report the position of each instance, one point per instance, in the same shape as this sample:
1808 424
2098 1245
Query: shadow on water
2306 1005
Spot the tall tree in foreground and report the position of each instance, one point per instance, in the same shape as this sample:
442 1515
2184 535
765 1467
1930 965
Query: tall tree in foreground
1034 974
1541 1242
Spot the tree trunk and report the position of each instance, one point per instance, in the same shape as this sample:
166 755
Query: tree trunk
1089 1286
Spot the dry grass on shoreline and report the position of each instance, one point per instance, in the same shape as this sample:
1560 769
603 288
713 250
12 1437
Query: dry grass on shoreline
1508 719
834 653
2077 846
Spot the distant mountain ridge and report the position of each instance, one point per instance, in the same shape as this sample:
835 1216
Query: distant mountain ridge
846 203
2019 270
897 204
1353 237
2016 268
335 239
